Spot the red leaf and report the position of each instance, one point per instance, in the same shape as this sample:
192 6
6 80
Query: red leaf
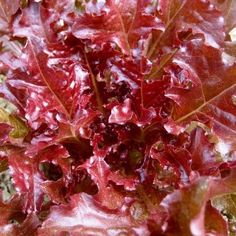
180 16
127 110
187 206
83 216
215 102
122 113
26 179
214 221
6 11
124 23
11 210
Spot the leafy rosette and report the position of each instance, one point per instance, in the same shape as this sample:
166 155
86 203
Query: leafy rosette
118 117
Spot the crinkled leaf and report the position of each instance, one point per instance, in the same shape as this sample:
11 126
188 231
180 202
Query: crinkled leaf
131 109
188 206
84 217
181 16
120 22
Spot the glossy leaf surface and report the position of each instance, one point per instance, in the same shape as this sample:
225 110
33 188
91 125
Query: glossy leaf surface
117 117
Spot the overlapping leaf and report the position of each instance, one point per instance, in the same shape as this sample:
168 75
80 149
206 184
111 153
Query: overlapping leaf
84 217
194 199
124 116
121 22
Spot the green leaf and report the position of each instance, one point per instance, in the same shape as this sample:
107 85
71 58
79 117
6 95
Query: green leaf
20 129
227 206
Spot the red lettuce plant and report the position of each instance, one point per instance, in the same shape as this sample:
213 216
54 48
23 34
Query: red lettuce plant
118 117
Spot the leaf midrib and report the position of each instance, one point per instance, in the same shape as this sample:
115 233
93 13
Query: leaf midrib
204 104
46 82
123 27
152 49
3 10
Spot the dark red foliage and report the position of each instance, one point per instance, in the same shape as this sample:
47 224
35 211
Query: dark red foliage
122 119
